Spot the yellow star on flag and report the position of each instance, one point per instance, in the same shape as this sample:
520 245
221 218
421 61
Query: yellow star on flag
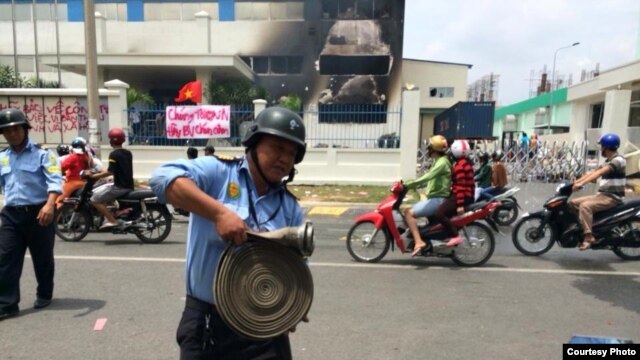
187 94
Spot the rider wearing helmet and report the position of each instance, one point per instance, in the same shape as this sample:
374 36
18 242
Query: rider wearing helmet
462 190
612 186
483 174
78 161
121 167
226 197
437 181
30 180
498 177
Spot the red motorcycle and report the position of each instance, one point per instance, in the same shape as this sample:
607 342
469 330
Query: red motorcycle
373 233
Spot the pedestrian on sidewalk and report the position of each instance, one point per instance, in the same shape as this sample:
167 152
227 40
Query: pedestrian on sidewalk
31 181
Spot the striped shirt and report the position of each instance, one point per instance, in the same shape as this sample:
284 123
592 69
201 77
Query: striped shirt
462 184
615 181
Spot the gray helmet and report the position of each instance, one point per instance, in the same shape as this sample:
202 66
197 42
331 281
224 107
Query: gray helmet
278 122
13 117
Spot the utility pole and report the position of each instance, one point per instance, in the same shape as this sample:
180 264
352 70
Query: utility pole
35 41
55 10
91 55
15 41
553 79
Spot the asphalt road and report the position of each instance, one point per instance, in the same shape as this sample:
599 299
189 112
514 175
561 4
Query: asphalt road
514 307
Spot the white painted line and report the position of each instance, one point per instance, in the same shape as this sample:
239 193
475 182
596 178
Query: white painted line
374 266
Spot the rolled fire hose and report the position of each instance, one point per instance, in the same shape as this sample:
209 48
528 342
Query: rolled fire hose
264 288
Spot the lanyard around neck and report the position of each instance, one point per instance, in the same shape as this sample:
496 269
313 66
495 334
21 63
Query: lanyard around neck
252 209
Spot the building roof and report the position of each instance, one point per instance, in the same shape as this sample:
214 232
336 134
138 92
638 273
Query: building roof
440 62
547 99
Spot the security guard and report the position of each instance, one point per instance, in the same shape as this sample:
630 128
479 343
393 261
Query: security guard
226 197
31 181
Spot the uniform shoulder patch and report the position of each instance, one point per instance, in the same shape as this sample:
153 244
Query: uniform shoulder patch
227 158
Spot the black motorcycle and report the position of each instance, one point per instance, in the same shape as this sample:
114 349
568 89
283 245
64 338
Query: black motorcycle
138 213
616 229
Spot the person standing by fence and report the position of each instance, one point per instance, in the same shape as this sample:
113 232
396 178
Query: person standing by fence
31 181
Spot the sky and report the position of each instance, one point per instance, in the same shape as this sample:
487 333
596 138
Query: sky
512 37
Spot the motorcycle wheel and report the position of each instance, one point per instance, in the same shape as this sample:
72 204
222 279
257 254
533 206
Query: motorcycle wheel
627 253
71 232
506 214
526 240
363 246
161 219
478 246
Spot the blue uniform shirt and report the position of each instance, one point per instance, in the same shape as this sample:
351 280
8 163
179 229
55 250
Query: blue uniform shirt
228 182
29 176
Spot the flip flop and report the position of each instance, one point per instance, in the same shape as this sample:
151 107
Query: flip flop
418 250
586 245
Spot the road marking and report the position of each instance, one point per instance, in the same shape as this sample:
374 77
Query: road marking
374 266
327 210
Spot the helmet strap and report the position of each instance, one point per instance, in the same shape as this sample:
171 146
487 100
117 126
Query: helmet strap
254 157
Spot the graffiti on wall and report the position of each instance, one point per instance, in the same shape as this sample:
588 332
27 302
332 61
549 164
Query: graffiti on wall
55 119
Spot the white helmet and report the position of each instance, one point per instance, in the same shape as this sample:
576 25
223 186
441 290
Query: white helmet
460 149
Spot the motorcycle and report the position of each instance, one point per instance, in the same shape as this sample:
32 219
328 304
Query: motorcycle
508 211
373 233
138 213
616 229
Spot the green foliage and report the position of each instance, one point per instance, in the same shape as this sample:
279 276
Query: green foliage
138 97
40 84
233 92
291 102
8 77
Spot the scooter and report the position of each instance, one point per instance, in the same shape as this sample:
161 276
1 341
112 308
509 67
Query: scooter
616 229
374 233
508 211
138 213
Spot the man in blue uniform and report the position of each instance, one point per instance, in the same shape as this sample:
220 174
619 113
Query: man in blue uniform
227 197
31 181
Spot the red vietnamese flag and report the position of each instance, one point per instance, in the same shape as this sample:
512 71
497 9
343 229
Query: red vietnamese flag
190 91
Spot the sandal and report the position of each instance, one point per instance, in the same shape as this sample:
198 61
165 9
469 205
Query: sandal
417 250
586 244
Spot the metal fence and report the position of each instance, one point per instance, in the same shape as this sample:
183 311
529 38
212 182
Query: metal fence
353 126
331 125
151 127
541 161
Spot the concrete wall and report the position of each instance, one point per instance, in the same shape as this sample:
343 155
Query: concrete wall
427 74
320 166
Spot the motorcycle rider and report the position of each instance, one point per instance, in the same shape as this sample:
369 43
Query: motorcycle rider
462 191
498 177
438 183
72 165
483 175
121 167
611 188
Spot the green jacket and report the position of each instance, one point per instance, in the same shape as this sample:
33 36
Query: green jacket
437 179
483 176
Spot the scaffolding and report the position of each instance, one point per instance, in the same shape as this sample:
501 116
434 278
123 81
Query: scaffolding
484 89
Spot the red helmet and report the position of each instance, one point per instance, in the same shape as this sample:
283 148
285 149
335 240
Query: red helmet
116 136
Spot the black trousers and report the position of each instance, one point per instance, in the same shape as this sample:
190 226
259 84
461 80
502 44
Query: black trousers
447 210
216 340
20 230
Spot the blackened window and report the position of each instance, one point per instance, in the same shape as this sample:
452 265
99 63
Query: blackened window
294 64
261 64
278 64
597 112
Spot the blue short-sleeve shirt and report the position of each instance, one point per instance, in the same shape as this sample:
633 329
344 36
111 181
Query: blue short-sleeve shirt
27 177
230 183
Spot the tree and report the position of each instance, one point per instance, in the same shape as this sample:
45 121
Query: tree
291 102
8 77
135 96
233 92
